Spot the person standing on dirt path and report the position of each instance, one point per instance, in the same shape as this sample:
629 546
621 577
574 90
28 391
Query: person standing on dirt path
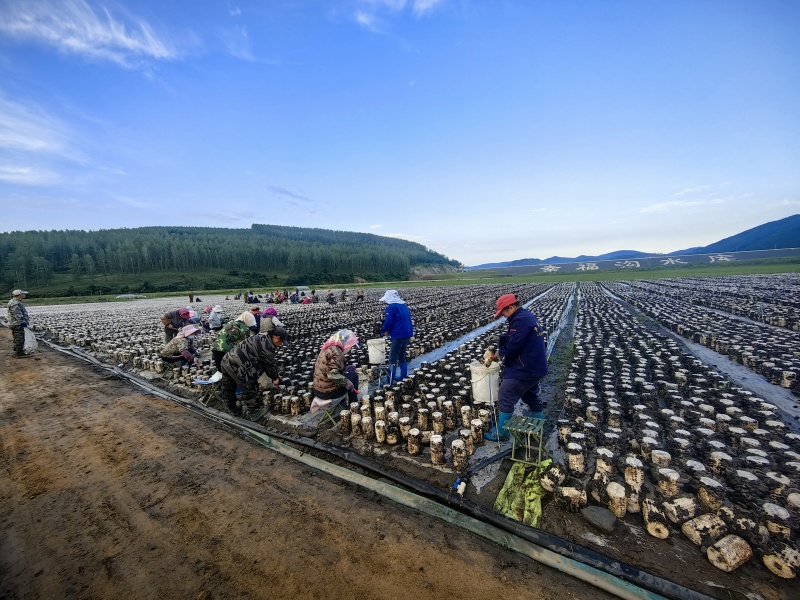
398 326
243 365
523 352
18 320
173 321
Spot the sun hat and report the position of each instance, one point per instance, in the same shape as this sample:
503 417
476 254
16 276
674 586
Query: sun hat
255 309
184 313
504 302
392 297
19 292
188 330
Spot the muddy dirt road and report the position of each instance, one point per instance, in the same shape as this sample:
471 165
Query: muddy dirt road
109 493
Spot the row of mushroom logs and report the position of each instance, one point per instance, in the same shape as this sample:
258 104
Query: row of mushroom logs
436 401
433 406
772 352
416 424
773 299
310 329
650 430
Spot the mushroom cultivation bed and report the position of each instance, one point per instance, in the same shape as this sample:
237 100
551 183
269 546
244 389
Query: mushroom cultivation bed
130 333
649 430
771 299
771 351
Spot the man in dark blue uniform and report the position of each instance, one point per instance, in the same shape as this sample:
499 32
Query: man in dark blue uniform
523 352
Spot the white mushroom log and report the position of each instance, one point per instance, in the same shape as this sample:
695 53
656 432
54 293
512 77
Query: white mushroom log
705 529
553 477
617 502
655 522
679 510
729 553
783 560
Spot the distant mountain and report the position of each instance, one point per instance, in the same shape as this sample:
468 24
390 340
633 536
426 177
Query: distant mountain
784 233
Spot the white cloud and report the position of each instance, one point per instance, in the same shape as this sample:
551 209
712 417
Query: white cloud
536 210
76 27
375 226
393 5
367 15
31 141
422 7
787 202
24 175
25 128
678 204
366 20
275 189
694 190
237 43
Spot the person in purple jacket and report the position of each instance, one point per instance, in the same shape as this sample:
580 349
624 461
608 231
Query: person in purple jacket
398 326
523 352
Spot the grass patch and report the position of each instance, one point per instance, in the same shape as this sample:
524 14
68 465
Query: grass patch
226 283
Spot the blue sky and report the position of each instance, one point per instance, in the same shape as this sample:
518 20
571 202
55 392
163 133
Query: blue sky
485 130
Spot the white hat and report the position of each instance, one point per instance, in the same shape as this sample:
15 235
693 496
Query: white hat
19 292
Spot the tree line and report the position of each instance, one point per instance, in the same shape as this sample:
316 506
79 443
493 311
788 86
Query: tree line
271 253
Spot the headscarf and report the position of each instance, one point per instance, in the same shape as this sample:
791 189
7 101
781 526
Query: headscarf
344 338
187 331
269 312
392 297
207 309
247 318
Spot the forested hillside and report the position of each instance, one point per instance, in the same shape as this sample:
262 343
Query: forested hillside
204 257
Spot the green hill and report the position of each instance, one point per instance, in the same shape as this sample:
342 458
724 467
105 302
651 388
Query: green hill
163 259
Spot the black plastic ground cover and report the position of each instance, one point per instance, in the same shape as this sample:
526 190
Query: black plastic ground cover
552 542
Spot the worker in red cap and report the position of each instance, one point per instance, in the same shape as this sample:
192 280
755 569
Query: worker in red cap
523 352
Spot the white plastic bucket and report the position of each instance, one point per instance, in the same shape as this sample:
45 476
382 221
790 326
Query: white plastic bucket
377 351
485 380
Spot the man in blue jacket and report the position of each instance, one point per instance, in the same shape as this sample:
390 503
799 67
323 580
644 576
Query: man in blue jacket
398 326
524 354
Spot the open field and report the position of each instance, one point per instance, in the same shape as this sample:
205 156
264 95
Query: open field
61 283
622 387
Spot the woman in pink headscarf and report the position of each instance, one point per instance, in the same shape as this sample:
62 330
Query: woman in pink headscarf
181 348
269 320
330 382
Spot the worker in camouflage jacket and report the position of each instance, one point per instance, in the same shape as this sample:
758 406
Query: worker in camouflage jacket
232 333
243 365
18 321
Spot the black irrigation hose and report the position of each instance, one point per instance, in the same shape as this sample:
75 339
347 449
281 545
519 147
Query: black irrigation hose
552 542
485 463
